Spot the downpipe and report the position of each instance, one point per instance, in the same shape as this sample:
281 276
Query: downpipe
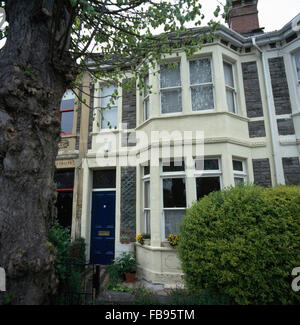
271 119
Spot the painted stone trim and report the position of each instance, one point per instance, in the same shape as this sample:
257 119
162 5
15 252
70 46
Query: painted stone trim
128 106
128 202
79 108
291 169
91 115
256 129
252 90
262 172
280 88
128 139
285 126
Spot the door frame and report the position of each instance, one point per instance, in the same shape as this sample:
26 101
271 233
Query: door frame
91 205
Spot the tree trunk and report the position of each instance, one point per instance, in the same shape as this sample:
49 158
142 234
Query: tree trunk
33 78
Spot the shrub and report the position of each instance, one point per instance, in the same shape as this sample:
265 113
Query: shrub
126 262
205 297
243 242
69 264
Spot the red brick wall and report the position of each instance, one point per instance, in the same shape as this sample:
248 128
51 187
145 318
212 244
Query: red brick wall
244 18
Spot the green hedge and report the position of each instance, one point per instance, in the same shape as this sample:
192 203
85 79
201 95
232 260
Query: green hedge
243 242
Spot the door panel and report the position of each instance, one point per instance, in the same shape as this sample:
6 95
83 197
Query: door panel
103 228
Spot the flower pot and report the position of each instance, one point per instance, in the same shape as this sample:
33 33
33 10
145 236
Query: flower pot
130 277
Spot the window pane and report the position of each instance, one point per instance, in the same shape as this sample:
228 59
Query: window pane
146 109
173 220
66 122
146 170
146 195
239 180
68 100
228 74
64 179
169 77
200 71
171 101
238 165
297 59
147 222
106 94
64 206
205 185
209 164
104 178
173 166
230 100
110 118
202 97
174 193
146 90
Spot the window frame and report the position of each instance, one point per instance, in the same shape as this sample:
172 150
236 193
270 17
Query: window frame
170 175
67 190
116 106
240 174
208 173
297 52
146 101
170 88
145 179
61 111
203 84
232 89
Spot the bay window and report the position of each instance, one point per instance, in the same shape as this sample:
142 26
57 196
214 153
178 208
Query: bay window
109 108
170 89
201 84
174 197
230 87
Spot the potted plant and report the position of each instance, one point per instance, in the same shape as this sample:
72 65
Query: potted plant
127 263
173 240
143 239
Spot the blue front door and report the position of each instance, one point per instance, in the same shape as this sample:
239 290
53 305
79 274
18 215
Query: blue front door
103 228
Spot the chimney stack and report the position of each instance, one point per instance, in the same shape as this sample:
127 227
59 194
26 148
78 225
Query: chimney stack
243 16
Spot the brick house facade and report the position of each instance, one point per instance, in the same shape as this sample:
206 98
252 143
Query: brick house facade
242 91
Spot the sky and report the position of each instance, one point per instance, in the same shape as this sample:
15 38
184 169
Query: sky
273 14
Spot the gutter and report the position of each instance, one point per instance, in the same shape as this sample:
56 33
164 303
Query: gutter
271 119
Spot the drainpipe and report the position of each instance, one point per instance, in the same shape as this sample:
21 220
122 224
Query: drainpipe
271 119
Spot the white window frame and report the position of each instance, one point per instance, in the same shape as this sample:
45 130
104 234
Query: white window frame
208 173
170 175
232 89
112 106
240 174
202 84
145 179
171 88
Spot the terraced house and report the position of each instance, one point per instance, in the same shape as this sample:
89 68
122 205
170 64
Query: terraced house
239 96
